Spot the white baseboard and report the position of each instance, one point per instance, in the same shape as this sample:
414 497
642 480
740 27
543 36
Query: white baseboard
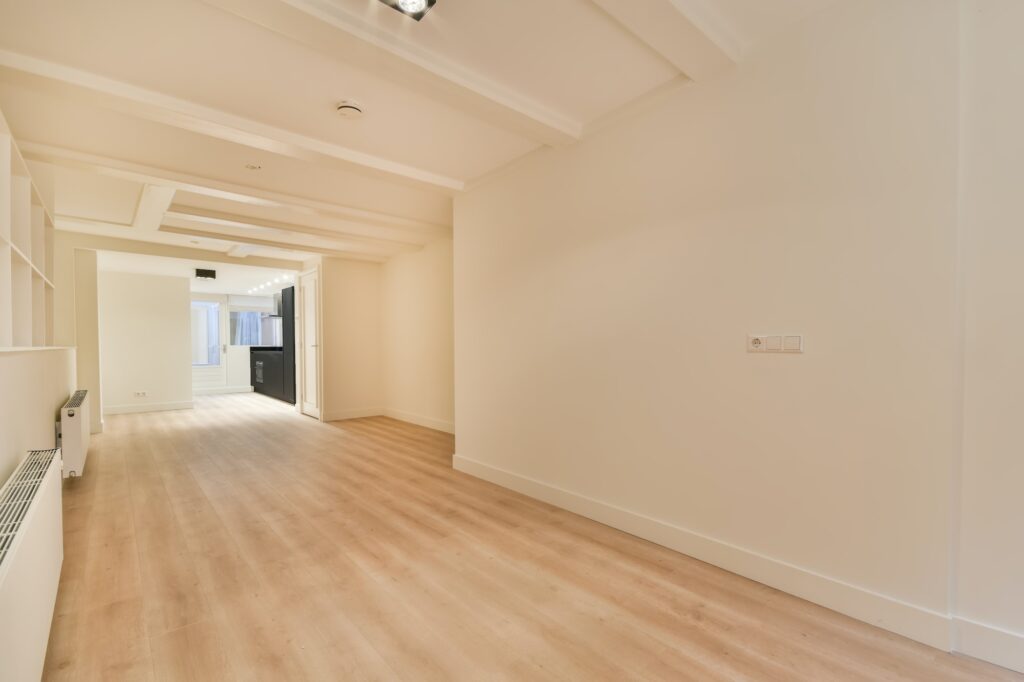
357 413
429 422
989 643
221 390
147 407
918 623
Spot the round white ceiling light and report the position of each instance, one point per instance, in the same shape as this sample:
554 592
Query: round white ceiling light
412 6
414 9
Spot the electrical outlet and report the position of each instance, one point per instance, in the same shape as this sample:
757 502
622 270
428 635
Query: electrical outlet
763 343
140 394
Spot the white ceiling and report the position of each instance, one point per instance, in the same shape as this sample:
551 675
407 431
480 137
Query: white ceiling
145 114
231 278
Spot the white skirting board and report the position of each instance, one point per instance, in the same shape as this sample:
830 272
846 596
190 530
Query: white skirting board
356 413
918 623
147 407
221 390
990 643
420 420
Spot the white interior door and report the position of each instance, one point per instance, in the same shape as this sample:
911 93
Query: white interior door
309 305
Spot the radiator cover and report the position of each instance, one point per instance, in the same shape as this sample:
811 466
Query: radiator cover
31 554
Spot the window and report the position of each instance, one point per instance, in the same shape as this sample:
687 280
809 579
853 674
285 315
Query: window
245 328
205 333
252 328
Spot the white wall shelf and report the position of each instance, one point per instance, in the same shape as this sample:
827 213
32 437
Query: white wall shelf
26 253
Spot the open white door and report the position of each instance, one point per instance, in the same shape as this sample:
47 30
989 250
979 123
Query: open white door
309 304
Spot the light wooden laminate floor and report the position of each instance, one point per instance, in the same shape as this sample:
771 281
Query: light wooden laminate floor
242 541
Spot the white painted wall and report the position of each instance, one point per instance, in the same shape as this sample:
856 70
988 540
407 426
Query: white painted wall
417 337
991 547
387 337
35 383
87 333
145 342
75 316
351 336
603 294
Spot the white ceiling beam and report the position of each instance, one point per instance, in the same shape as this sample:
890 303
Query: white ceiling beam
329 28
229 220
667 28
186 115
351 219
93 235
242 250
153 204
163 237
708 17
275 244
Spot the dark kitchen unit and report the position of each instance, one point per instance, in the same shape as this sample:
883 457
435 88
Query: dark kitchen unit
272 368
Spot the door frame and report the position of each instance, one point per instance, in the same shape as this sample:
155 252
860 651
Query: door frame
300 338
223 326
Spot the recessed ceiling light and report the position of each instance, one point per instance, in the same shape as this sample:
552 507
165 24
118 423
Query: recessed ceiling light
416 9
253 166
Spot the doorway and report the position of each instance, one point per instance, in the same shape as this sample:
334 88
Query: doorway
224 329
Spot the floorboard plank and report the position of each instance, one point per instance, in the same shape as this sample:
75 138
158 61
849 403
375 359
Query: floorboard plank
241 541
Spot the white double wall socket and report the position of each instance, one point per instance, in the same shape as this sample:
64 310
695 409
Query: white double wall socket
775 343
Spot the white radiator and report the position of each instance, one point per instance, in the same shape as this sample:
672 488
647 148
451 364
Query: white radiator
74 433
31 553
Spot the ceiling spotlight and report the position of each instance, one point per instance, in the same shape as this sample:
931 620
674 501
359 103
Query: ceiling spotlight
416 9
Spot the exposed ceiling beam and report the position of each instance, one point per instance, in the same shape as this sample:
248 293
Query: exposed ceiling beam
93 237
332 30
242 250
206 234
153 204
667 28
706 16
215 218
186 115
354 220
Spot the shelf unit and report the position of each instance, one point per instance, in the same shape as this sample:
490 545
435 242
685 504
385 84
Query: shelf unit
26 253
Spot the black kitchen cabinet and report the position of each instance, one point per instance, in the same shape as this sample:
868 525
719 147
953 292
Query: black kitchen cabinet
272 368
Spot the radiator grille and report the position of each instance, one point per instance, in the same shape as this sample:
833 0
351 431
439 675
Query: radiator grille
76 399
17 494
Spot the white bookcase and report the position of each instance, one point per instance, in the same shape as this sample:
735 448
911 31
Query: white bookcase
26 253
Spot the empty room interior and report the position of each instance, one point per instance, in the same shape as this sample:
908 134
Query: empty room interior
492 340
